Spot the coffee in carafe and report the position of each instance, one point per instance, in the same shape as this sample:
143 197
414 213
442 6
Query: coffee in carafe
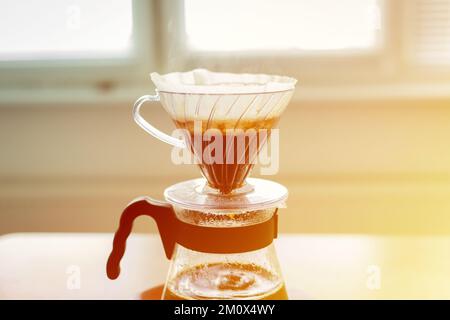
225 281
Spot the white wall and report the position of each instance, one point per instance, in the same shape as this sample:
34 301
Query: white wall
351 166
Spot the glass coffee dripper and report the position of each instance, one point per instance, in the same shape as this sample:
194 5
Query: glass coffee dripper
217 231
230 105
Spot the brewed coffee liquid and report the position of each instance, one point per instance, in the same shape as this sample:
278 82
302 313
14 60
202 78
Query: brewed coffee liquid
238 155
225 281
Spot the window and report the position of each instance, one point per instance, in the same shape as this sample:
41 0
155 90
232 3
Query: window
72 30
430 22
236 25
50 47
321 42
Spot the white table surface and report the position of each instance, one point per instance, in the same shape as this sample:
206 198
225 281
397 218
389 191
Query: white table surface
43 266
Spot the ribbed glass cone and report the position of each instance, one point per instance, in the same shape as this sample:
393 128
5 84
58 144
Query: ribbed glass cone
227 118
243 122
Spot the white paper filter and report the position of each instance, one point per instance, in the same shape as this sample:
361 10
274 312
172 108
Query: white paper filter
204 95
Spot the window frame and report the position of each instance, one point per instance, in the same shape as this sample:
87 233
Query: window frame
102 73
297 63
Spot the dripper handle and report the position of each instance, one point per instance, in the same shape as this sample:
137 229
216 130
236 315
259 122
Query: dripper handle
165 219
151 129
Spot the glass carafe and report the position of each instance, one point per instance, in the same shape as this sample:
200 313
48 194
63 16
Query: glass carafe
221 247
